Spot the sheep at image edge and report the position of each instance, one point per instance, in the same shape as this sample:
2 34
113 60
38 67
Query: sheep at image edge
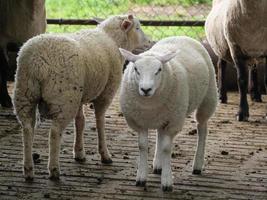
58 73
160 88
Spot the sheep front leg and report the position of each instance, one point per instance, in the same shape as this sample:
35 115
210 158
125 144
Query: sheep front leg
221 80
100 109
142 170
166 175
157 161
78 150
202 131
54 150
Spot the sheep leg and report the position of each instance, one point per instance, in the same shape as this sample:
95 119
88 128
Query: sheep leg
28 135
265 78
242 77
202 131
100 109
157 161
27 117
166 175
54 149
253 84
221 79
78 150
265 75
5 99
142 170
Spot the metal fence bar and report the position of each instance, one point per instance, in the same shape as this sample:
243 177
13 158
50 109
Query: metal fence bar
143 22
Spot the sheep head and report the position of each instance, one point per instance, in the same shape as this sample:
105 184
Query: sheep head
126 32
147 70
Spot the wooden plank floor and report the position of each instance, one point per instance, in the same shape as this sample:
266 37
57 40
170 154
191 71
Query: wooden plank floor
235 161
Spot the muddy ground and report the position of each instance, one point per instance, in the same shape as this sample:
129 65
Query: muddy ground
235 161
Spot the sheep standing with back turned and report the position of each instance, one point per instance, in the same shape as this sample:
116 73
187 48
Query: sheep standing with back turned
19 21
60 73
237 32
160 88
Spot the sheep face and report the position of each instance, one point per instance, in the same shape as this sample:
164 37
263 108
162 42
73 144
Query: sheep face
138 39
147 74
147 70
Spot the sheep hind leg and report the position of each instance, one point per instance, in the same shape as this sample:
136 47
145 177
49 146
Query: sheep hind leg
100 109
221 80
255 94
28 125
202 115
54 149
242 76
5 99
78 149
265 78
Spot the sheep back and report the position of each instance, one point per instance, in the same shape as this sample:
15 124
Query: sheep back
68 68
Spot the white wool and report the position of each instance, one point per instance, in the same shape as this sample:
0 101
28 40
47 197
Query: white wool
60 72
186 83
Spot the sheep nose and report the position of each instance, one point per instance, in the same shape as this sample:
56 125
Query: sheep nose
146 91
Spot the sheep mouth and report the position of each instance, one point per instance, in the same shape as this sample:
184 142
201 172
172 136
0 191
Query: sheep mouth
146 95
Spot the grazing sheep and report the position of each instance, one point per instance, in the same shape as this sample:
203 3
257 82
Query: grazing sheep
19 21
236 31
60 73
228 81
159 89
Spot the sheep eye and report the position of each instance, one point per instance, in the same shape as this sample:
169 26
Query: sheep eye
137 28
158 71
135 69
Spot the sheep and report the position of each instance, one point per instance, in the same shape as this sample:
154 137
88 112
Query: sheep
160 88
58 73
236 31
19 21
228 80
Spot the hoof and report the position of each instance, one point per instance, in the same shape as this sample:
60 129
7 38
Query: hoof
223 101
6 102
157 171
54 177
140 183
54 174
106 161
28 173
196 171
166 188
242 118
28 178
80 160
256 99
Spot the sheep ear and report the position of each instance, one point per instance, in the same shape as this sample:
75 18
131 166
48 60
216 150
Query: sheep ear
130 17
128 55
167 57
126 25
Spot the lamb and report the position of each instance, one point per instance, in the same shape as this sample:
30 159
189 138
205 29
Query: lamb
19 21
160 88
236 31
59 73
